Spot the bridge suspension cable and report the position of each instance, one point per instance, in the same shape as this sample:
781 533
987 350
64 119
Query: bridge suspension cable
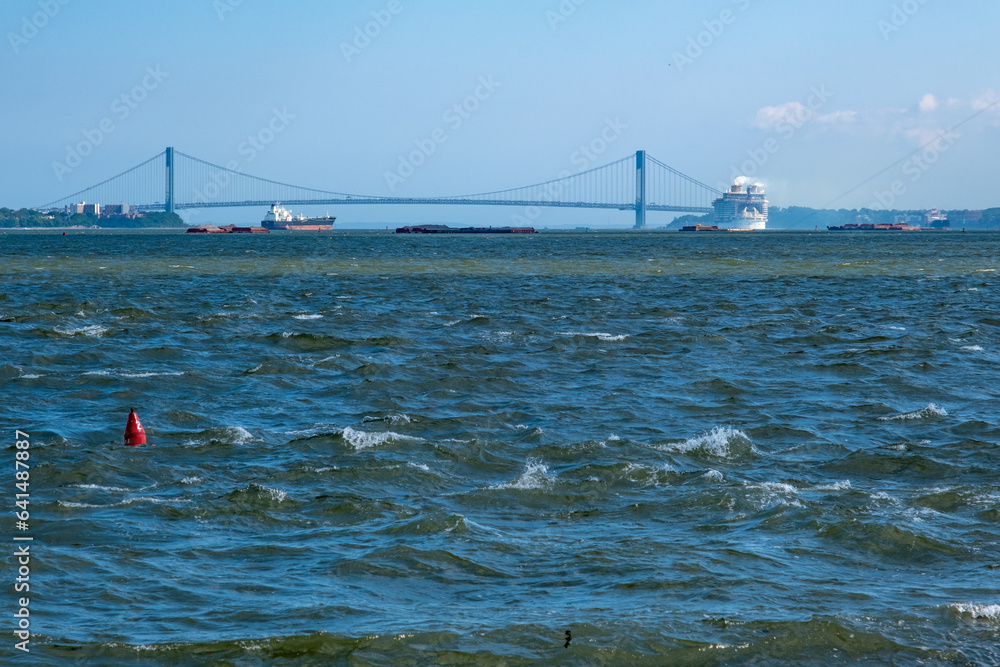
142 186
608 186
173 180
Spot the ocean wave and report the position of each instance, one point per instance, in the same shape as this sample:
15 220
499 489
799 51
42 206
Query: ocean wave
395 419
987 611
116 489
368 439
309 316
775 487
328 430
254 494
93 331
647 475
132 374
928 412
124 503
721 442
607 337
835 486
768 495
231 435
535 476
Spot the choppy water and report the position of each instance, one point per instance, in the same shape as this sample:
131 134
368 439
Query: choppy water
381 450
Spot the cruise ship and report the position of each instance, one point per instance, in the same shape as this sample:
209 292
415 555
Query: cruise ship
741 210
281 218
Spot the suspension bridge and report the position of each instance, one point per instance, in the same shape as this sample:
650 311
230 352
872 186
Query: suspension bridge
173 181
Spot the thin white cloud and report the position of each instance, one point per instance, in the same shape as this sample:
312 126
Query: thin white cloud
916 126
790 113
796 114
838 117
922 136
985 100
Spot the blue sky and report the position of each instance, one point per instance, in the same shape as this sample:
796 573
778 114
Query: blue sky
809 98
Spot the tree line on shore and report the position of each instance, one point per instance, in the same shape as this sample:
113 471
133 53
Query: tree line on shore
27 217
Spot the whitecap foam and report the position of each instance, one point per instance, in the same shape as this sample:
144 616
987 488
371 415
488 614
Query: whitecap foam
125 503
234 435
191 480
644 471
721 442
368 439
394 418
990 611
714 475
330 358
309 316
971 348
930 411
238 435
459 523
278 495
133 374
775 487
98 487
883 496
93 331
768 495
845 485
535 476
418 466
607 337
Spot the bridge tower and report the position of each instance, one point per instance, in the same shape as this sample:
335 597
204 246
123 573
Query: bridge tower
640 189
170 180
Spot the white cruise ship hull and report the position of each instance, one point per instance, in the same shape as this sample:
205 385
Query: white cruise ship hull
741 225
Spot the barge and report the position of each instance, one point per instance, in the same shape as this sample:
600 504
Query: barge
445 229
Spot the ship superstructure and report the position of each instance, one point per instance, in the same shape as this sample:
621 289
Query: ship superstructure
282 218
741 209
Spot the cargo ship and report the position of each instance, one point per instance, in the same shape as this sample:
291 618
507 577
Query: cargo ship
445 229
281 218
741 210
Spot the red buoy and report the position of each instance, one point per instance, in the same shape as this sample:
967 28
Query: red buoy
135 434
